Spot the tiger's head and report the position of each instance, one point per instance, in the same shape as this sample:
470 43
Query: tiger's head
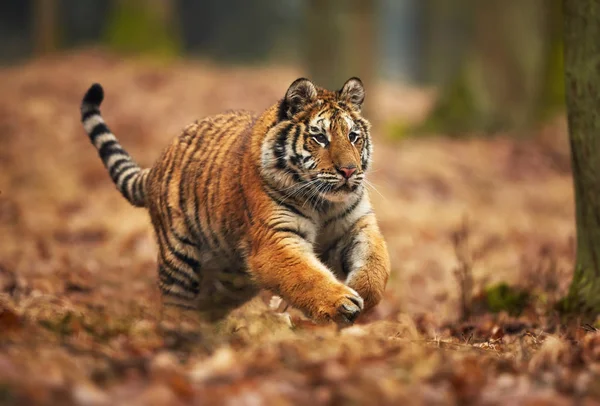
320 146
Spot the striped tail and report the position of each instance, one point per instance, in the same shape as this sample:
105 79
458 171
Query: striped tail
129 178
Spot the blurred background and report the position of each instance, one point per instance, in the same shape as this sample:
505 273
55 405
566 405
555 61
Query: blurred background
494 65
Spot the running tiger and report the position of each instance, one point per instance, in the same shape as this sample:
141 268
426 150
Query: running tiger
242 202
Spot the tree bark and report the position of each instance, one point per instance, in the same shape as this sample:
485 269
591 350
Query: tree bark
582 80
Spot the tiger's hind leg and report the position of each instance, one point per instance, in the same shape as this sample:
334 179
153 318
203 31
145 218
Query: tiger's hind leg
180 283
176 288
178 268
223 291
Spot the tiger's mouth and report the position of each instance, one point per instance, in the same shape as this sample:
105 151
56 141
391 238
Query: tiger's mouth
333 187
344 187
347 187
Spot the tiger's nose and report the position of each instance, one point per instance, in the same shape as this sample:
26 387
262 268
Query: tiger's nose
347 171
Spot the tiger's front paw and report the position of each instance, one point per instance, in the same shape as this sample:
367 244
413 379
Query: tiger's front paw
341 305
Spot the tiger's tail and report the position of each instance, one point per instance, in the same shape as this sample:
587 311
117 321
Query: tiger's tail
127 175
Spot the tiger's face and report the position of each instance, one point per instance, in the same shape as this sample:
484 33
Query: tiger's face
320 148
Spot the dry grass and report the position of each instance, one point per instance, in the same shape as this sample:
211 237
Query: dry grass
79 320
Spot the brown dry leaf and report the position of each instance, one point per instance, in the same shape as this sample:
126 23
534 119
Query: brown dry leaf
9 319
468 380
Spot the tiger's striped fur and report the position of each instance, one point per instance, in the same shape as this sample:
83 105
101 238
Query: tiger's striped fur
241 202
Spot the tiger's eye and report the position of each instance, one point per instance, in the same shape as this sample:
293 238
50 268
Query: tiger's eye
321 139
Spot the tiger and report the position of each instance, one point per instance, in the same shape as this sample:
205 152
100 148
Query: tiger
242 202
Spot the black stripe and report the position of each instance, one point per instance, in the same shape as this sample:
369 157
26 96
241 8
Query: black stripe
164 287
109 148
217 184
98 130
247 209
189 261
295 175
324 205
366 143
189 285
120 166
196 143
305 148
226 153
282 110
345 256
201 236
279 148
170 168
285 205
292 231
365 161
89 113
183 239
211 158
164 241
126 181
343 214
295 159
168 279
133 190
139 188
184 277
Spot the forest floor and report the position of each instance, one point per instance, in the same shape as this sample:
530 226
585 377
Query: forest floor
80 321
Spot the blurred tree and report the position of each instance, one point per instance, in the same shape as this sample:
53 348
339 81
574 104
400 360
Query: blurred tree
144 27
445 28
83 21
582 50
340 42
241 30
508 73
45 26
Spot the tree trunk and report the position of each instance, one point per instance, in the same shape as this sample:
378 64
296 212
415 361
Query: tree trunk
45 26
582 79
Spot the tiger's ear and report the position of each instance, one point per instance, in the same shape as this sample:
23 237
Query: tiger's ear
299 94
353 92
